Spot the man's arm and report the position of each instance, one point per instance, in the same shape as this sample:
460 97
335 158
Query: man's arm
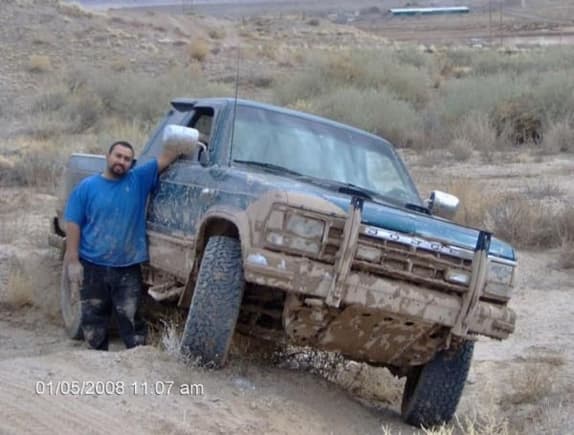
166 158
72 257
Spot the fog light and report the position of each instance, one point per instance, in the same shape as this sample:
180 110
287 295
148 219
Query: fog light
457 276
369 253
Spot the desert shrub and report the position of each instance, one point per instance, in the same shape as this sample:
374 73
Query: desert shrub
379 112
139 96
410 55
133 131
51 101
39 64
530 385
551 94
83 111
436 134
71 9
474 203
519 120
566 260
544 191
529 224
19 290
198 49
461 149
371 69
478 130
559 137
46 125
39 167
475 94
216 33
550 59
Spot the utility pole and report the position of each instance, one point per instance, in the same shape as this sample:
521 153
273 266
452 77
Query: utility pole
500 26
490 22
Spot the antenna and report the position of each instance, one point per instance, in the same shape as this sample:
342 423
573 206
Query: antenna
235 101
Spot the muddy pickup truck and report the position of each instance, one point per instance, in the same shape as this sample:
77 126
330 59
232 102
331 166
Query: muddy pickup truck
291 227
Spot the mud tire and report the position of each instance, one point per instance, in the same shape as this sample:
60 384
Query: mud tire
216 302
70 307
433 390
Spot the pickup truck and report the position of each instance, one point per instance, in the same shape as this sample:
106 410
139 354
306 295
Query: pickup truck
288 226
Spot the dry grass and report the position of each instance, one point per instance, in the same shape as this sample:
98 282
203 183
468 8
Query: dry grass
39 169
559 138
461 149
488 99
567 256
529 224
33 280
474 204
216 33
544 191
530 384
381 113
523 220
39 64
198 49
73 10
19 290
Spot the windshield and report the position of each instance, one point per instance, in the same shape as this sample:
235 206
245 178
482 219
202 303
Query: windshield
321 150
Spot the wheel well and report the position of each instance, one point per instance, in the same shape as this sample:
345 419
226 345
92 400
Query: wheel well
213 227
217 227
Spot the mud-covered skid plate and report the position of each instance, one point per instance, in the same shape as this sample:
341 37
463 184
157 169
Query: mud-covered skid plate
363 334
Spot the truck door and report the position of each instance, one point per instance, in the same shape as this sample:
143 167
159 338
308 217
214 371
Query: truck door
179 200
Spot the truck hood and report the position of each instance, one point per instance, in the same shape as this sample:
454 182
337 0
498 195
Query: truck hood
389 216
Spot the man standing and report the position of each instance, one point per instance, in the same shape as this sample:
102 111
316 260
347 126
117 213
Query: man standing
106 242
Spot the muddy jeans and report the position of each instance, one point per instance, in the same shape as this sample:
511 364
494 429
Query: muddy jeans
107 289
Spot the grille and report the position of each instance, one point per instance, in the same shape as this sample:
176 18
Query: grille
400 260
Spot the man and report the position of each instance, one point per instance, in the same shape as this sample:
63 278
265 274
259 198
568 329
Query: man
106 242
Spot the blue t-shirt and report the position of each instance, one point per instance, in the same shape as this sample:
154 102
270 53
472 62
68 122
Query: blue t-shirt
111 216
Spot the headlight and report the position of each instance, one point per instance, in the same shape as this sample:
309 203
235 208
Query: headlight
299 233
500 280
304 227
500 273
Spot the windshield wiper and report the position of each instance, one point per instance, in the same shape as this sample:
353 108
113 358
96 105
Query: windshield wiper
271 166
371 195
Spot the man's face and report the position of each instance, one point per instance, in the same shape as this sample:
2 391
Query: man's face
120 160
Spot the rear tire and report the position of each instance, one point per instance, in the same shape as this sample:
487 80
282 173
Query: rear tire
216 302
433 390
71 307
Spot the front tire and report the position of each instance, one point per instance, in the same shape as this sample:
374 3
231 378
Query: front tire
216 302
71 307
433 390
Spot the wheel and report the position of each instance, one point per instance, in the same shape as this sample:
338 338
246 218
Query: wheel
433 390
71 307
216 302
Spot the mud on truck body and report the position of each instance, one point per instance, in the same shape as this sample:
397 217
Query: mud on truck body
288 225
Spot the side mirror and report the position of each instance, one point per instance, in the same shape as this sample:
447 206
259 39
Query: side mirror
179 137
443 204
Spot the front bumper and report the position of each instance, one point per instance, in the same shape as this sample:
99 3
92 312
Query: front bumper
402 299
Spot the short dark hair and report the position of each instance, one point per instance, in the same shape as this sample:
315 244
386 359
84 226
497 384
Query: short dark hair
122 143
